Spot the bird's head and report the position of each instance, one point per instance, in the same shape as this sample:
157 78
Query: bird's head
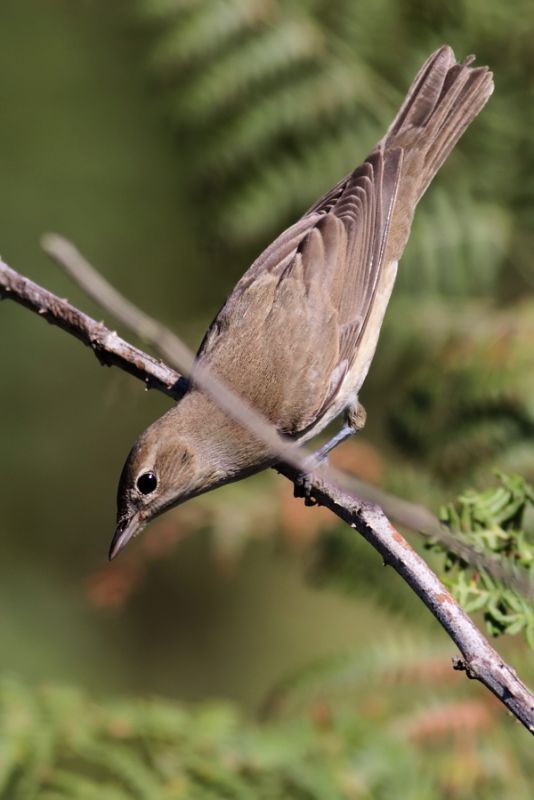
173 460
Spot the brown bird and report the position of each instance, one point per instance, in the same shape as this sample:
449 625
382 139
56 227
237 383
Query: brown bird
297 335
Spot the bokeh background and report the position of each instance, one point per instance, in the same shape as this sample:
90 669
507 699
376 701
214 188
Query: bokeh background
171 140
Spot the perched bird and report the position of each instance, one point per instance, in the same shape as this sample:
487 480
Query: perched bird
297 335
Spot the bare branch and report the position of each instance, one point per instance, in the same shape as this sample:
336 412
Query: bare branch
108 347
479 660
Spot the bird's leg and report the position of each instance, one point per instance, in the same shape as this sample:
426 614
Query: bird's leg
321 454
354 422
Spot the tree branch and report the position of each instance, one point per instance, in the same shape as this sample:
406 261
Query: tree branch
108 347
480 661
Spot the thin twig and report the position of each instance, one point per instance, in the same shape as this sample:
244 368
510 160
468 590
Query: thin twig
479 661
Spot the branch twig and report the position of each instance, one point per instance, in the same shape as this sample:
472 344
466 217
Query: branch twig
479 660
108 347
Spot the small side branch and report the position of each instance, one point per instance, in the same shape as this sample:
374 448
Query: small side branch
479 660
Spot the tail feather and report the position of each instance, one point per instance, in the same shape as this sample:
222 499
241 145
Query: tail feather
468 101
443 100
423 93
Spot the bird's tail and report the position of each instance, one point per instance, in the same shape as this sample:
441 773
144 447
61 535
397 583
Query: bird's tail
442 101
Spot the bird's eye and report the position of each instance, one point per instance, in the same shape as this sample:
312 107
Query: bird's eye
147 482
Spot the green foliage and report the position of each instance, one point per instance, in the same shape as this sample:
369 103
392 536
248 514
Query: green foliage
491 523
59 744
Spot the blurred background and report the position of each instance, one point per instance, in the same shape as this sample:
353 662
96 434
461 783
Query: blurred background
171 140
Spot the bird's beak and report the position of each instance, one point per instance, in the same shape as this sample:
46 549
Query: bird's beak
127 528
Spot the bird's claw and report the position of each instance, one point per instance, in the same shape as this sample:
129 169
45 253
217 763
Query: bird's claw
302 487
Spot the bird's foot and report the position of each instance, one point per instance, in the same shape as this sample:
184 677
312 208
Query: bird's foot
302 487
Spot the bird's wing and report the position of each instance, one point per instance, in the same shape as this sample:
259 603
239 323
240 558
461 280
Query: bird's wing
355 224
289 332
308 311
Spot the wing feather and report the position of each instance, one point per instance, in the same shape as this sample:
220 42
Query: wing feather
311 290
307 312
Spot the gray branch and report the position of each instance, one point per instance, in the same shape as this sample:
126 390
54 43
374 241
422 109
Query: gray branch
479 660
108 347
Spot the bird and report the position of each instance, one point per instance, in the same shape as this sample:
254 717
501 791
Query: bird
297 334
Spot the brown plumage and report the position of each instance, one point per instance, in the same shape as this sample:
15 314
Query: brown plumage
297 335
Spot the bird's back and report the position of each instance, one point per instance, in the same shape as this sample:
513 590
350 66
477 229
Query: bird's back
297 334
